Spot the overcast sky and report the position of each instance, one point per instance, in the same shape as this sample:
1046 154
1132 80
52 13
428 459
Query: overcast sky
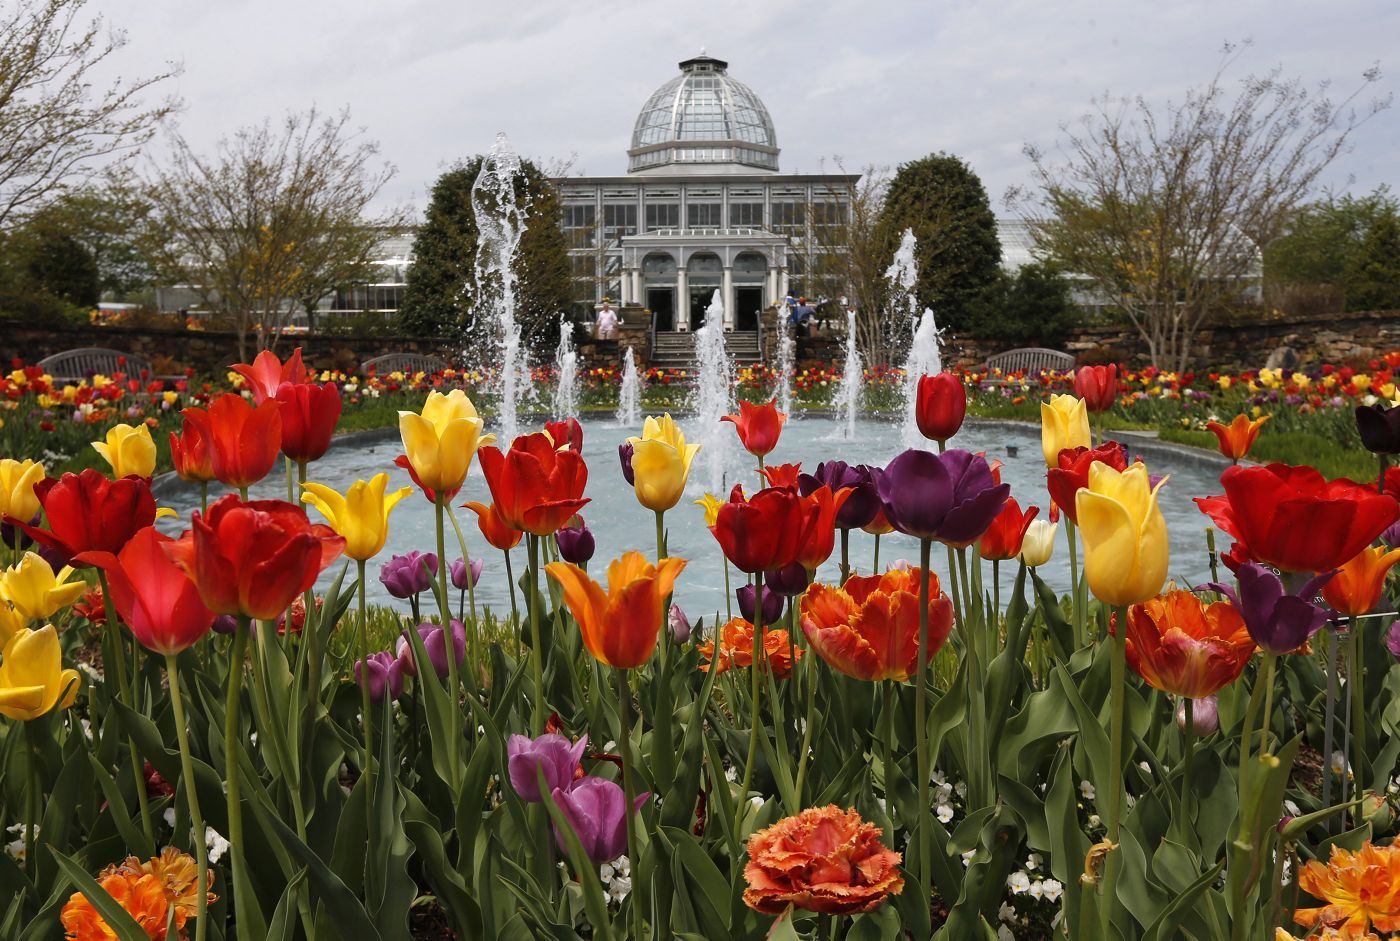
875 81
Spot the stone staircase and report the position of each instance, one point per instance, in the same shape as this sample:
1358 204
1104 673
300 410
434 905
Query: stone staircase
677 350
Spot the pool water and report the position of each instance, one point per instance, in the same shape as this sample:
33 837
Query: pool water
619 523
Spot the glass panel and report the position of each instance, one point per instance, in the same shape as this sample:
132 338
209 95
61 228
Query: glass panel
707 215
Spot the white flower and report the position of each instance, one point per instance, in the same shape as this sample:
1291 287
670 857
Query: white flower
938 778
1018 882
1093 821
943 794
944 813
1033 861
1037 889
960 788
967 858
1147 768
218 846
1004 934
1086 790
1340 765
169 816
1006 912
731 775
1292 808
1052 890
756 801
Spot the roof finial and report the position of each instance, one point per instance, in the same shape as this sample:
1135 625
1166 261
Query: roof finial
702 49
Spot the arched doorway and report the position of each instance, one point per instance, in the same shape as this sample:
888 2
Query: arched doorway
703 275
659 287
750 269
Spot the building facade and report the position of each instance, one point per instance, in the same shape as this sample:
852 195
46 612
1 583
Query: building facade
703 207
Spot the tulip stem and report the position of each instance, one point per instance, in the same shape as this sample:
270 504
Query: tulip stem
510 578
124 692
755 699
449 636
204 496
536 646
242 893
845 554
921 755
362 642
291 497
1113 862
201 848
629 785
1356 678
471 634
31 803
728 594
890 692
1075 604
875 562
1188 750
1329 718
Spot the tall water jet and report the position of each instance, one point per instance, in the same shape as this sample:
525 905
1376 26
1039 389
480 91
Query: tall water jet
500 222
713 390
902 276
787 356
852 374
566 365
629 397
925 359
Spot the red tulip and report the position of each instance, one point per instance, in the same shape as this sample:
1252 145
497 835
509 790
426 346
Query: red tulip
89 513
759 426
1295 519
154 596
535 486
940 406
763 533
244 440
309 416
1072 475
783 475
266 373
1003 539
1097 386
192 453
567 432
819 526
253 558
495 530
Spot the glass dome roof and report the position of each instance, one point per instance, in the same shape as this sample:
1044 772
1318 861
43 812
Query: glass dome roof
703 116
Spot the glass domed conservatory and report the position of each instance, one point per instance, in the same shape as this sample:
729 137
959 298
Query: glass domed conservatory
703 207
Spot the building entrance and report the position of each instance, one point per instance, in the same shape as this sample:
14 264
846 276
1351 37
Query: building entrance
662 304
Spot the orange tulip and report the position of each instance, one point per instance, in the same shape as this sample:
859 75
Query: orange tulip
1361 890
879 526
496 531
1003 539
1237 437
1356 588
735 642
759 426
619 625
537 488
869 628
243 441
782 475
1181 645
819 530
825 859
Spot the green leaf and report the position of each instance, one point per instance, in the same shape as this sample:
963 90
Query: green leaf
693 869
584 870
117 918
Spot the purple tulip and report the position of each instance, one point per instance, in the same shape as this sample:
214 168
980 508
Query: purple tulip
458 571
405 576
678 624
597 811
951 497
436 645
1278 622
575 543
1391 537
624 453
863 503
552 754
788 581
226 624
382 672
772 604
1205 716
1392 639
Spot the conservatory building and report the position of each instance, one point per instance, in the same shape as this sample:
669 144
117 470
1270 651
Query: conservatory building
703 207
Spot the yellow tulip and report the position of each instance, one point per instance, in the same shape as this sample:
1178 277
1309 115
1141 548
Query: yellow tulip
32 679
35 591
442 440
661 463
711 503
1064 423
1125 536
361 515
129 449
1039 542
17 480
11 622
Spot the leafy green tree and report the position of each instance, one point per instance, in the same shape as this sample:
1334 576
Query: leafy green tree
58 264
1032 306
104 218
440 297
1373 277
943 201
1325 246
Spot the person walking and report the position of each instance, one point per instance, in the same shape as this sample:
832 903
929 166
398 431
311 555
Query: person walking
605 327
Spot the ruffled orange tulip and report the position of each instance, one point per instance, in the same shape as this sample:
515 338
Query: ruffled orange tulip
869 628
537 488
825 859
1361 890
1181 645
735 651
147 891
1357 586
759 426
243 441
619 625
496 531
1237 437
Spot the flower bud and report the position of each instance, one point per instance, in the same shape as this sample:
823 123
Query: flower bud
679 624
1205 717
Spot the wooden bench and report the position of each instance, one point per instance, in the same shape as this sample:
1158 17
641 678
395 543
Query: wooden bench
407 363
82 364
1030 361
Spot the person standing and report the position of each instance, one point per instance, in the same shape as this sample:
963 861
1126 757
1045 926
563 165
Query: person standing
605 327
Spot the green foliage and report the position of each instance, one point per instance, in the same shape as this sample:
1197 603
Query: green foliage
58 264
1341 242
442 289
1373 277
943 201
1033 306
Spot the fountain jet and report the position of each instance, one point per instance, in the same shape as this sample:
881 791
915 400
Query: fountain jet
629 397
713 391
500 222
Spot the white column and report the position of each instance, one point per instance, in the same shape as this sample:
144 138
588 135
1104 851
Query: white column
624 289
726 292
682 318
770 286
782 283
638 295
